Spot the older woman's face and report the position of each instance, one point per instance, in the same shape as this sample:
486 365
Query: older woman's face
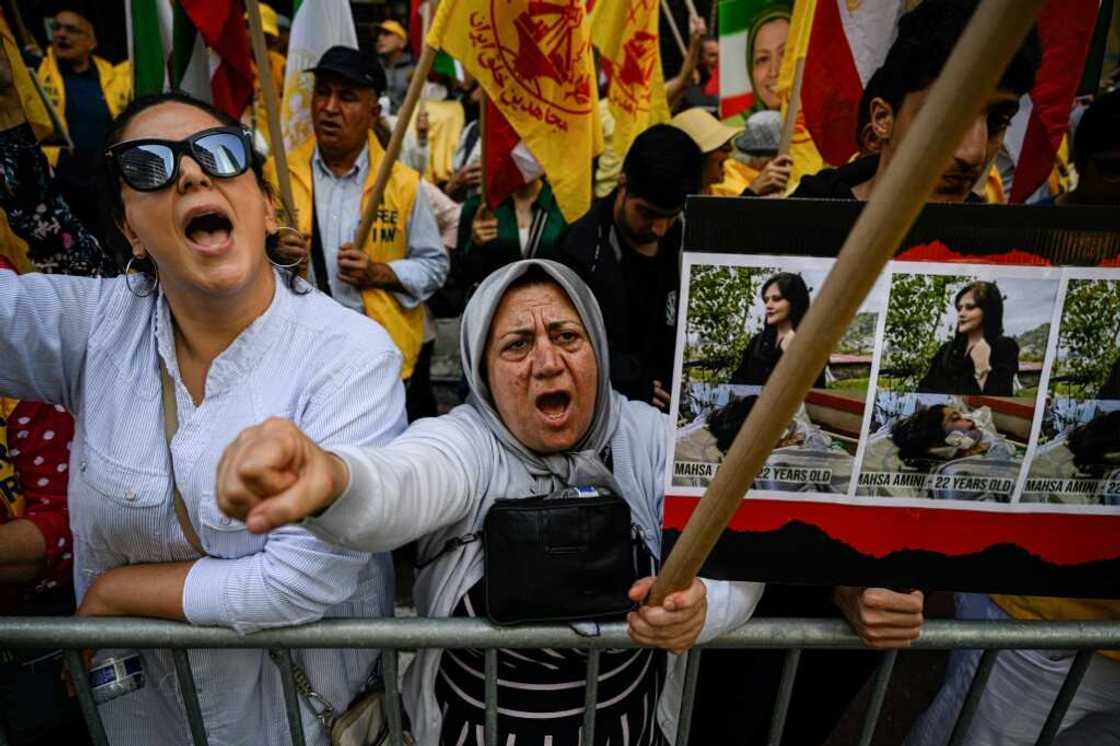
970 316
541 368
766 60
206 234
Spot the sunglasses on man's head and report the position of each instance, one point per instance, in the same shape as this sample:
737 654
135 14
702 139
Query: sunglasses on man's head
150 164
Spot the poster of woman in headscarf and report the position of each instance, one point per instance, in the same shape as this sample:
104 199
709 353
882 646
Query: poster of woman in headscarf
752 37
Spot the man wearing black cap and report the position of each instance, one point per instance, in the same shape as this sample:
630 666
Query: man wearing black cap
403 262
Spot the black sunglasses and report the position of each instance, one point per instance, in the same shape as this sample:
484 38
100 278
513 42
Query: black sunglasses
150 164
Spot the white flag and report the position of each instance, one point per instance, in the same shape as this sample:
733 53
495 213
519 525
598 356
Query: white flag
317 25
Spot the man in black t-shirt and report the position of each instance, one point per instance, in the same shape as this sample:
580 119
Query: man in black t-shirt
627 249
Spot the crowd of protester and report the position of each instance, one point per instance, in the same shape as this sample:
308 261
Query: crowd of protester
209 366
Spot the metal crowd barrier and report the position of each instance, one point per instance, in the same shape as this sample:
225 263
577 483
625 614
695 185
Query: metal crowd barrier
395 635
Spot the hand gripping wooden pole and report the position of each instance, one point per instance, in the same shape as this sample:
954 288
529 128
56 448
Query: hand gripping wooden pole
404 118
977 63
275 133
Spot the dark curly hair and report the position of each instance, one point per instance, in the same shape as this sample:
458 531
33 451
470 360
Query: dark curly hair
111 183
921 431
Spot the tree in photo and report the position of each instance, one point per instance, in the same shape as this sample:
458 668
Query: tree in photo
914 317
1090 338
719 305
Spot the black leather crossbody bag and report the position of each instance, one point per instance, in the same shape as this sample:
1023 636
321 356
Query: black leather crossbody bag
568 556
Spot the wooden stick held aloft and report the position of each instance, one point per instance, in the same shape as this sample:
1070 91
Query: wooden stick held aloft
393 150
793 109
667 14
969 77
275 133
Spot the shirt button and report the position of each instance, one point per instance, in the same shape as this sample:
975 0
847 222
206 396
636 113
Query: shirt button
225 521
82 466
130 495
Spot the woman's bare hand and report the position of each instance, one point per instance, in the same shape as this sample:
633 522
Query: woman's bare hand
675 624
273 474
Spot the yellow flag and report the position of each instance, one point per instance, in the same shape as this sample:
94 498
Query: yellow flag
806 158
33 107
625 33
533 59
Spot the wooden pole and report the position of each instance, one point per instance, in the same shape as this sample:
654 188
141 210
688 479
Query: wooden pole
692 9
425 24
275 133
793 109
995 32
404 117
667 12
483 119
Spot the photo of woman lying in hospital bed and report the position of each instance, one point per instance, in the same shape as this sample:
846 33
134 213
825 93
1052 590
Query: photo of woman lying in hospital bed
806 457
1081 466
942 450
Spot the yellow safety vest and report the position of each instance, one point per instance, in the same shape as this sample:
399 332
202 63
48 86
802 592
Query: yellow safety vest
116 88
388 240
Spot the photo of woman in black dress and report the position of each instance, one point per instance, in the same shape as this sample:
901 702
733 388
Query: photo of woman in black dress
978 359
786 298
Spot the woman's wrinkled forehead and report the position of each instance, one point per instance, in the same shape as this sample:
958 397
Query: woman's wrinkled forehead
521 304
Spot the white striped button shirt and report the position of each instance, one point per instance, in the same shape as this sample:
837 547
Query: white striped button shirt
91 346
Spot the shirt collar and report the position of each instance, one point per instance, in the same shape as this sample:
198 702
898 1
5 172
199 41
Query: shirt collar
236 361
361 166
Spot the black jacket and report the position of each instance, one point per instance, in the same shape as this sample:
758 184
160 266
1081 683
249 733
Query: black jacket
953 372
638 297
759 359
837 183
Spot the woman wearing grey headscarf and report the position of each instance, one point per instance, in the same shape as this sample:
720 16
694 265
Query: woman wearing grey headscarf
541 415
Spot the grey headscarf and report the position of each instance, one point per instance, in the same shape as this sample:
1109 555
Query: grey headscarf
582 464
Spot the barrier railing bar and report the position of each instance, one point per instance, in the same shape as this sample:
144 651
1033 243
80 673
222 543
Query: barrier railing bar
283 660
77 670
590 696
688 696
391 670
410 633
878 696
190 696
1065 695
972 701
785 692
492 697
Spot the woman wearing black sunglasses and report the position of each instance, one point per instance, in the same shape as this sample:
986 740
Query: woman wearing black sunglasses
162 368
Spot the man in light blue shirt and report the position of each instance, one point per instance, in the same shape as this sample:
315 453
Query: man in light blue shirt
332 175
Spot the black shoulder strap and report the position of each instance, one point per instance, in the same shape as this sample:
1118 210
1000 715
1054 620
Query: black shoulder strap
318 260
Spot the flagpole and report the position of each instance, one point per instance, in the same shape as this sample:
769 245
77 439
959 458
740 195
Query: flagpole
26 40
404 117
667 13
483 118
996 30
692 9
425 24
276 135
793 109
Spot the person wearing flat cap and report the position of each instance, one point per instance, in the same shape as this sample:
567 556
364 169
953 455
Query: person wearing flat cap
392 51
403 261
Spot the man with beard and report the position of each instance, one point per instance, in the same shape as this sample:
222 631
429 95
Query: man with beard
627 249
926 36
